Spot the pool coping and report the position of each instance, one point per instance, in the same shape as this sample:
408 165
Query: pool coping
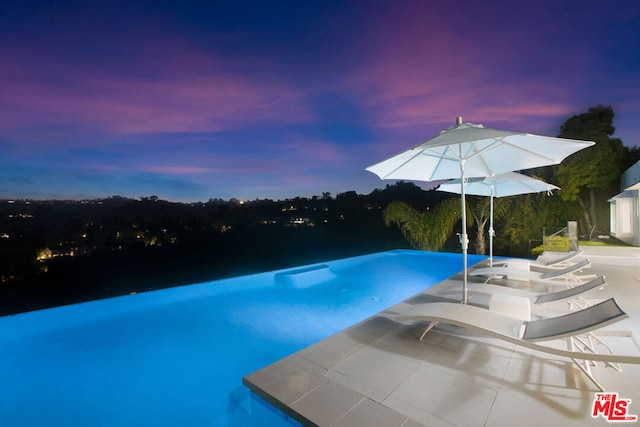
377 373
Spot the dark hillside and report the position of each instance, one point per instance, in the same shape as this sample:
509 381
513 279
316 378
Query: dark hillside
63 252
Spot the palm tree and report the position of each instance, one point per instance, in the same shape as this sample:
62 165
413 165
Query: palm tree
479 208
424 230
430 230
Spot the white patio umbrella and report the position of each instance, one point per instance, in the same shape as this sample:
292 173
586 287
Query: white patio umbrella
471 150
506 184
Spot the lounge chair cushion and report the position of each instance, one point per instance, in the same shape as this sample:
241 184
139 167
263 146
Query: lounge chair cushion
596 316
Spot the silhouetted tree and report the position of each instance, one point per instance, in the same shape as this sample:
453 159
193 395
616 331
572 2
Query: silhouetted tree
591 176
424 230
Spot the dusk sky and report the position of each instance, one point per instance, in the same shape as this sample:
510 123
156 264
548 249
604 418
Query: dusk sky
192 100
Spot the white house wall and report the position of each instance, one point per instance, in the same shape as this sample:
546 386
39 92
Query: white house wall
625 208
624 218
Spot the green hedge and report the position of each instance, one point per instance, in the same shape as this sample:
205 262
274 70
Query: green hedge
553 244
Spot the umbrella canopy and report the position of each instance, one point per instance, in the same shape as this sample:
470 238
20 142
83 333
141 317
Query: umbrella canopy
471 150
506 184
483 151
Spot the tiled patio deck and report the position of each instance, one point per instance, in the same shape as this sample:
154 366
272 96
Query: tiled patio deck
377 373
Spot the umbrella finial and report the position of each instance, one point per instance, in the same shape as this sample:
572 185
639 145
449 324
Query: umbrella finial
459 120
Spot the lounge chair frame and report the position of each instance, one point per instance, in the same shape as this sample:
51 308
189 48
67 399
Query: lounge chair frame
544 266
572 294
563 260
550 277
529 333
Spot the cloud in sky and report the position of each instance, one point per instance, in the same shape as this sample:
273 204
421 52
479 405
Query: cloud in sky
192 100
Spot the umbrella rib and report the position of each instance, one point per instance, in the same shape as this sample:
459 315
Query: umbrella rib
424 152
551 159
440 156
401 165
504 140
444 155
476 152
529 186
440 159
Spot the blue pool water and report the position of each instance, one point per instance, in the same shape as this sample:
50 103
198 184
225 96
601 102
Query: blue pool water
176 357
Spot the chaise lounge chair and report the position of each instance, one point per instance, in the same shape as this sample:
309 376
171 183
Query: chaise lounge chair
560 261
528 333
574 295
540 264
550 277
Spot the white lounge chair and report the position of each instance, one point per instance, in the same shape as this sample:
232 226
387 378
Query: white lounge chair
565 274
559 261
540 264
573 295
529 333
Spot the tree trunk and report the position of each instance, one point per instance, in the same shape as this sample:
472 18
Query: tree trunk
481 240
588 223
594 220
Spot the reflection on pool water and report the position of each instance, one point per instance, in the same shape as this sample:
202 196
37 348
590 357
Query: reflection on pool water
177 356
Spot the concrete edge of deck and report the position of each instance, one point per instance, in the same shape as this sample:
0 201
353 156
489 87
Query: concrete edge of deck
301 384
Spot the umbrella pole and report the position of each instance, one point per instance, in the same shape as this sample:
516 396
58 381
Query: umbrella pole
491 232
464 241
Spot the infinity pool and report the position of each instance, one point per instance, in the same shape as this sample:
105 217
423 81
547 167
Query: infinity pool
176 357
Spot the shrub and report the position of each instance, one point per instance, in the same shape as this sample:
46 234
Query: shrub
553 244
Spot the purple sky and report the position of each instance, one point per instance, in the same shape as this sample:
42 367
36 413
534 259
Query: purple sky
191 100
